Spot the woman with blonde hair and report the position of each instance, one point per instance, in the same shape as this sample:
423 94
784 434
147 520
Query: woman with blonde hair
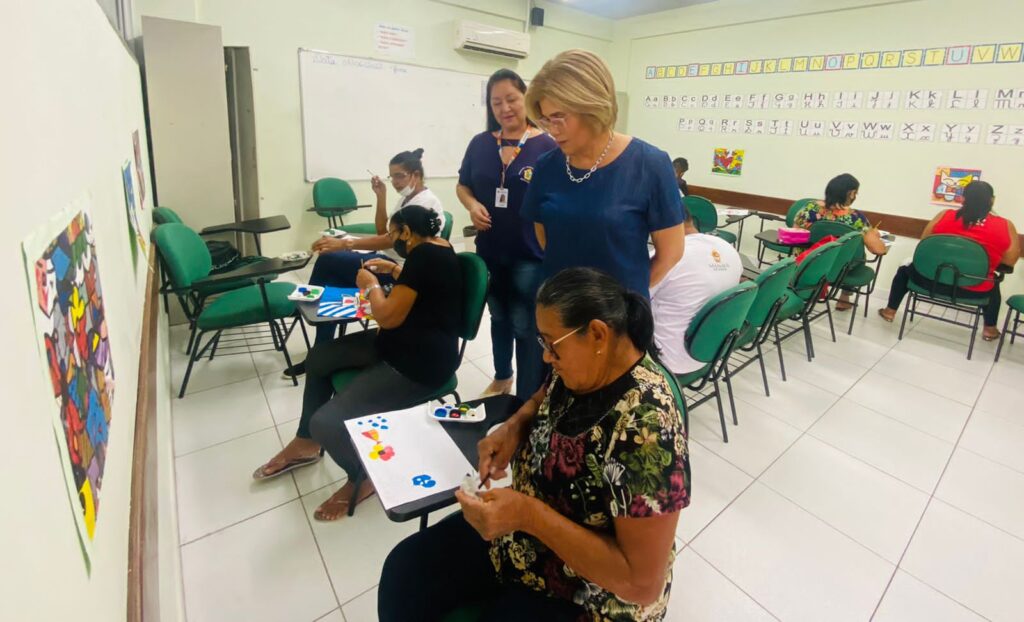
597 199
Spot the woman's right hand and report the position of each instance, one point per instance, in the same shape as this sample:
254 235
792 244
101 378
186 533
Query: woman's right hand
330 245
496 450
378 187
478 214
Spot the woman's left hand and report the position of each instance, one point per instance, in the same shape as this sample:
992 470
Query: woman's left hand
365 278
498 512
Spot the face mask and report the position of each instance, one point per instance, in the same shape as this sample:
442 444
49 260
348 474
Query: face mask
400 248
406 192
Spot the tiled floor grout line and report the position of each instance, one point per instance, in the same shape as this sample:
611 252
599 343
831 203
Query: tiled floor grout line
224 442
992 460
312 532
729 579
359 595
928 504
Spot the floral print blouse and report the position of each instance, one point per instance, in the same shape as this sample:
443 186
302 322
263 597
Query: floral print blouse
815 211
617 452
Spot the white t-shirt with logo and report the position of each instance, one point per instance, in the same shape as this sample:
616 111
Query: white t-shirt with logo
709 266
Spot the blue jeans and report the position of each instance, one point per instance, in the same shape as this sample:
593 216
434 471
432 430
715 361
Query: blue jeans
338 269
512 301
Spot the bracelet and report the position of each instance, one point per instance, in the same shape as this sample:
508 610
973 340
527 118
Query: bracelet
369 289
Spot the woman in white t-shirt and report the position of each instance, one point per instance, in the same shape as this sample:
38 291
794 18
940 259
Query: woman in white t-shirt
341 258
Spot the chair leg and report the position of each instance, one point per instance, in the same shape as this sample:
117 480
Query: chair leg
216 342
831 326
284 349
423 522
764 372
193 354
1002 337
458 400
867 301
721 412
906 312
305 334
853 312
357 483
808 343
1016 326
191 337
778 348
974 333
732 401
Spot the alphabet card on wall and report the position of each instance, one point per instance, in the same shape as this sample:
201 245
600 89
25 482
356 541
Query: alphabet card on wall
407 455
949 183
62 269
728 162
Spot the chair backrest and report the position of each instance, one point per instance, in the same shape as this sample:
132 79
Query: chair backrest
717 319
449 222
772 284
813 269
824 228
951 260
795 208
164 215
849 246
184 254
331 192
703 212
475 281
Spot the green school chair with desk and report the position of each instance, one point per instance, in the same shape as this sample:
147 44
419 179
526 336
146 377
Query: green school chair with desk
1016 306
772 293
860 277
768 240
334 198
705 217
804 293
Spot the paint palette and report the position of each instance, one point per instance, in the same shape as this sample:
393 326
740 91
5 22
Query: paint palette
459 413
334 233
306 293
295 256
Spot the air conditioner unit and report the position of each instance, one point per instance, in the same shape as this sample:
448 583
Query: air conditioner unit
477 37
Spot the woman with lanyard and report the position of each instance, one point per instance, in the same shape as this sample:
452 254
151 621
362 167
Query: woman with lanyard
495 174
597 199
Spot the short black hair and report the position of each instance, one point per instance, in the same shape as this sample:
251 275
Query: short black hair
422 221
410 161
500 76
978 197
681 163
838 188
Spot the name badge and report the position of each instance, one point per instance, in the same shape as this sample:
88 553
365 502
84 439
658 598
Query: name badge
501 197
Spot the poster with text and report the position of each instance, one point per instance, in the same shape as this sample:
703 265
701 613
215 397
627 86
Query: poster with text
949 183
728 162
62 269
136 240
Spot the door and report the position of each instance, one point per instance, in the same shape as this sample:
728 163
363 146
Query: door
242 135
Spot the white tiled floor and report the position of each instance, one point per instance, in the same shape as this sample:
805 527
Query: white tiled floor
883 481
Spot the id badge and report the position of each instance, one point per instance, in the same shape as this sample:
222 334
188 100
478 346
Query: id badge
501 197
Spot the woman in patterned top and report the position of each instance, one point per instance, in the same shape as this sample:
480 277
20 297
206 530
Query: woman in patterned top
840 193
599 474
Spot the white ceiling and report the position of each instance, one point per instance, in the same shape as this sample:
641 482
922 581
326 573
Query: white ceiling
620 9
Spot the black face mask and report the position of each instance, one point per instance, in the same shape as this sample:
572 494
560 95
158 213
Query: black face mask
400 248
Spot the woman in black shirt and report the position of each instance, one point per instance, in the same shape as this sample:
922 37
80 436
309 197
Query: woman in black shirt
414 352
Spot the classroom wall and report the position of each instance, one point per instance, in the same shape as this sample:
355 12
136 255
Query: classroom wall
72 98
274 31
896 176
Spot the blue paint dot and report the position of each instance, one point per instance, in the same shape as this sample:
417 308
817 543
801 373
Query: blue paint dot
383 427
429 483
374 424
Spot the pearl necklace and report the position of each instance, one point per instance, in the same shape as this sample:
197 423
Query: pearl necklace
580 180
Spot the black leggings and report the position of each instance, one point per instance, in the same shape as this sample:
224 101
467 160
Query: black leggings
905 274
433 572
378 388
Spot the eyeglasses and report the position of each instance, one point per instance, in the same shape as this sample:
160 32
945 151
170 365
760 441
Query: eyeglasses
397 177
549 123
550 348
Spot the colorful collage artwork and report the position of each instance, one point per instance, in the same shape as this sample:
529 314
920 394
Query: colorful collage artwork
728 162
135 238
949 183
62 269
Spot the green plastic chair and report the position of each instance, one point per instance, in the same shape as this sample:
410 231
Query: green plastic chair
851 245
1016 306
772 293
804 293
710 339
332 199
705 217
164 215
249 301
475 284
860 276
763 246
952 261
449 223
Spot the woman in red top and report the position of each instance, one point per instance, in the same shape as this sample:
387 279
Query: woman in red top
974 221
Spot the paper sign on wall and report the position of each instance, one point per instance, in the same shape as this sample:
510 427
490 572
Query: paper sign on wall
949 183
394 40
728 162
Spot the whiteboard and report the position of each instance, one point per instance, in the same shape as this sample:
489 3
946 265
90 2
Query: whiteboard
357 113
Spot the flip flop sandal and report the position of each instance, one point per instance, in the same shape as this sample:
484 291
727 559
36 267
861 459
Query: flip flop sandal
985 337
260 474
885 317
342 505
844 306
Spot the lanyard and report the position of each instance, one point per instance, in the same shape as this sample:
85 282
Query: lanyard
519 147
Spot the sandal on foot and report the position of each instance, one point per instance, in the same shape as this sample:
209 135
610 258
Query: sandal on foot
881 314
341 504
985 337
843 305
261 474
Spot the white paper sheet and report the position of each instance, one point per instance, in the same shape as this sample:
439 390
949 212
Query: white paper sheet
407 455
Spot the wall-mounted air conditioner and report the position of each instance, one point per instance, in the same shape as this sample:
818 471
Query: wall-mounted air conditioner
477 37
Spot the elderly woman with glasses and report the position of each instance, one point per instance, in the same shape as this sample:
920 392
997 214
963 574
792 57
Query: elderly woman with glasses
341 258
599 474
597 199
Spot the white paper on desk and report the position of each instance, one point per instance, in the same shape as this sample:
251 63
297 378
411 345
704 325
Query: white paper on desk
731 211
407 455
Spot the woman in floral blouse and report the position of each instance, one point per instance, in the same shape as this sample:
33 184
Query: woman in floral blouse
599 474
